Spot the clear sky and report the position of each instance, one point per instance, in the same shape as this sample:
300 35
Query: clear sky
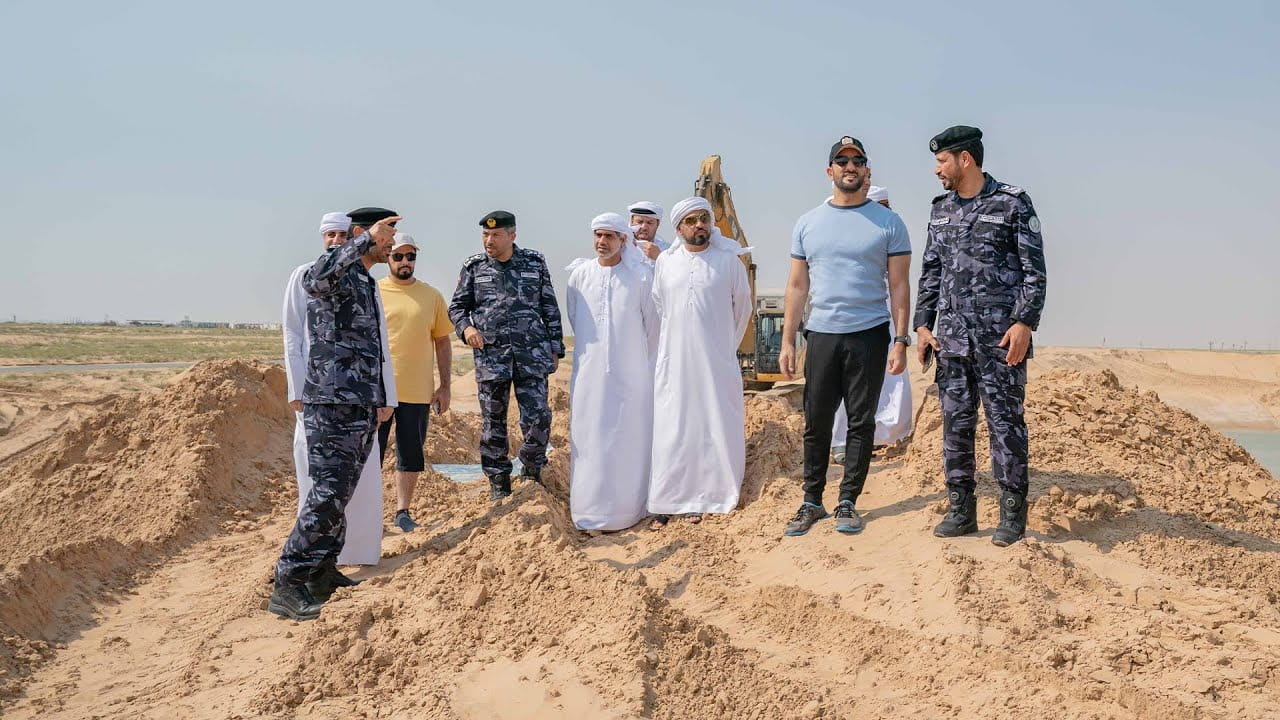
164 159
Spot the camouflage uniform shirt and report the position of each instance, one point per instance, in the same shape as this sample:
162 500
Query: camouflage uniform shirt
513 306
344 364
982 271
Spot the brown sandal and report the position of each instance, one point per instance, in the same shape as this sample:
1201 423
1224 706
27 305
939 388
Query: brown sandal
658 522
695 518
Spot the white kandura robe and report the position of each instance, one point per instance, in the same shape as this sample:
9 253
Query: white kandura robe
699 449
893 411
615 335
363 544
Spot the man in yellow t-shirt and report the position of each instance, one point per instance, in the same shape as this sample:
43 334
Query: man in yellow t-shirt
417 324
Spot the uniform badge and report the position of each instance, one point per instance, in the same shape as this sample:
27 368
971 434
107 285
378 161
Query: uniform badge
1033 224
940 221
491 223
993 219
846 140
933 145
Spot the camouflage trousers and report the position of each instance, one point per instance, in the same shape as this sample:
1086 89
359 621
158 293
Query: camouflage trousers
962 381
339 438
535 423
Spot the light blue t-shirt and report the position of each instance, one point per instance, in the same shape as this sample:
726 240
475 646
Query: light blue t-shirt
848 250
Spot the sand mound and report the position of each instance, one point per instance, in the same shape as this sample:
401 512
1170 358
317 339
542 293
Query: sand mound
129 483
514 591
775 443
453 437
1129 600
1100 452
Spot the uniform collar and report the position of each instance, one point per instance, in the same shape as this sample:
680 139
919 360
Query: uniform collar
989 185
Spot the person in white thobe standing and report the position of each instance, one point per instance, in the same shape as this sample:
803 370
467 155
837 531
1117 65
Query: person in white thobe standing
364 513
703 297
615 329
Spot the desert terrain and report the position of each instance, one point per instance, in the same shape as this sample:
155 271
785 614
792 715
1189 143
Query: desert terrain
144 511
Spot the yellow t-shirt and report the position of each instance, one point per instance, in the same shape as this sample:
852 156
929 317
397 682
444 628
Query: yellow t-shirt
416 316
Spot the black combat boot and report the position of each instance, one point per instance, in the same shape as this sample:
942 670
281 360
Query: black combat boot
534 474
1013 519
326 580
962 515
294 602
499 487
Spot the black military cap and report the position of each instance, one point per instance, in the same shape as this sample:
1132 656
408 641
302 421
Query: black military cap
367 216
498 219
842 143
956 136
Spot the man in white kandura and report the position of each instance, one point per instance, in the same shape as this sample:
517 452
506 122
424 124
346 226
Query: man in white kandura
646 216
364 512
615 330
703 298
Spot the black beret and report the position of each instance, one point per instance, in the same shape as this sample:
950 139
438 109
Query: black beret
367 216
498 219
842 143
956 136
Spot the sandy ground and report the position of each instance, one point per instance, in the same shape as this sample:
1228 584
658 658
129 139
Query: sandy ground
145 511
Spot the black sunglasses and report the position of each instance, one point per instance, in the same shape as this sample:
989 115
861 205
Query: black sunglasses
857 160
404 256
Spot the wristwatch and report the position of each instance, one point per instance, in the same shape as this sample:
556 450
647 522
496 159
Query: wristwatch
904 339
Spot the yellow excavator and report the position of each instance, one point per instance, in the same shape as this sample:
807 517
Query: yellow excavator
762 342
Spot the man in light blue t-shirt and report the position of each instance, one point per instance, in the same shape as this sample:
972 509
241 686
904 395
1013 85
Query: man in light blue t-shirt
842 252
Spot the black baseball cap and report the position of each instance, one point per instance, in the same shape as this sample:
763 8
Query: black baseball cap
842 143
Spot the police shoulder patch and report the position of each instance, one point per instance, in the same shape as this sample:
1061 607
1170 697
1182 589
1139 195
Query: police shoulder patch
940 197
1033 224
473 259
1010 189
532 254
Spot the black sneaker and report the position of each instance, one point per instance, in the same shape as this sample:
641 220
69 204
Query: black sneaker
404 522
806 516
294 602
847 519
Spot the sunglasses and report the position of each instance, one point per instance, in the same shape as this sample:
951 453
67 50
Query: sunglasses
404 256
857 160
695 219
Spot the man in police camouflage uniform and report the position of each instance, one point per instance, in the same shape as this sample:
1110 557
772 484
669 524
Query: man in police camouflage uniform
505 309
983 282
343 399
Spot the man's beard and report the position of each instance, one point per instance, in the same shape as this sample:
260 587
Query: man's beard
699 239
404 273
851 186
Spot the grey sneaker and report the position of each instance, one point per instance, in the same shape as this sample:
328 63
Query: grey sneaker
806 516
847 519
838 455
404 522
